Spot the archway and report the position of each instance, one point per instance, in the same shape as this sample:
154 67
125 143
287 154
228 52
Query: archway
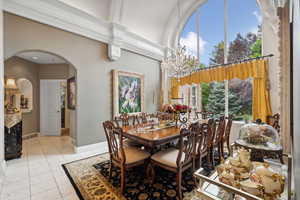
37 67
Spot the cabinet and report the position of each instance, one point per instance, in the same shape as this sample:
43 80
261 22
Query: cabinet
13 141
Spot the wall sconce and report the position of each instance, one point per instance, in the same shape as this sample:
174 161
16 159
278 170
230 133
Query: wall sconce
11 84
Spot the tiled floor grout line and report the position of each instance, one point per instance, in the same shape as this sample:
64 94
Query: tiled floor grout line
29 177
52 174
2 183
30 189
42 157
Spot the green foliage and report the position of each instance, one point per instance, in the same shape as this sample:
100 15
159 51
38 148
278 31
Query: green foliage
235 105
217 55
216 101
129 94
256 49
205 89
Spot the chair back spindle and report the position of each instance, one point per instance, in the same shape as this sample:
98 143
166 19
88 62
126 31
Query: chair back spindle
124 117
228 128
186 147
115 142
220 130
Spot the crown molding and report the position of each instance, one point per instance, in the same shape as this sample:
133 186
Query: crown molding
65 17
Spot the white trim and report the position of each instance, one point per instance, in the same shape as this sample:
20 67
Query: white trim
30 135
73 140
3 167
173 28
100 147
63 16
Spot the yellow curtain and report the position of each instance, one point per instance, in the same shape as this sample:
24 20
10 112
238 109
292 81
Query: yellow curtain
261 106
175 88
257 69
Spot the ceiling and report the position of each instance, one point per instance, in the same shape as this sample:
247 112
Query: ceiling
148 20
41 57
146 27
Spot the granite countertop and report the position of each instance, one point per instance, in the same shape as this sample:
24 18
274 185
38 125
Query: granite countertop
12 119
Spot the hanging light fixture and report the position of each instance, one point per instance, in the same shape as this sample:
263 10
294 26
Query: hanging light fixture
178 62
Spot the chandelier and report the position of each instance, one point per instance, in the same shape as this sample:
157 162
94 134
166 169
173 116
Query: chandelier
180 64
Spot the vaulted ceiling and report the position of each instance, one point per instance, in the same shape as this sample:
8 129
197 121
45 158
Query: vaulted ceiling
149 27
148 19
143 26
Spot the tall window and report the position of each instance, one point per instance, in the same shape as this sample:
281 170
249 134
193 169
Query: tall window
194 97
244 41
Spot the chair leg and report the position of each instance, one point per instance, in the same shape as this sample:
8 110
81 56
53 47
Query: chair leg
209 158
219 152
123 175
178 180
222 149
200 161
194 164
228 146
151 173
110 169
212 160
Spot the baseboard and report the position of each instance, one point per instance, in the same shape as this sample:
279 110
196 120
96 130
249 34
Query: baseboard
101 147
2 167
30 135
73 141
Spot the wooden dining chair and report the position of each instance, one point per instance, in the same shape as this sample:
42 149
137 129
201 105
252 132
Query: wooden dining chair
274 121
140 119
199 141
176 160
123 119
226 137
144 118
218 140
165 116
211 132
135 120
203 114
120 156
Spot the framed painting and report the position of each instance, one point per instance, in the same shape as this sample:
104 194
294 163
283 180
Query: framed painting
128 92
71 92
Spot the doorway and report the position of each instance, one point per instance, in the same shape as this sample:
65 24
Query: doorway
43 105
52 107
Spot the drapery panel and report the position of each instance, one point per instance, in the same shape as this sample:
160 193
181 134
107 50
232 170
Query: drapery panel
256 69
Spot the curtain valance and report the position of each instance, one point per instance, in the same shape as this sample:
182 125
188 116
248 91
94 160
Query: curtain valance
256 69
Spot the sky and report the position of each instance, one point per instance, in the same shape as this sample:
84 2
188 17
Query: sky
243 17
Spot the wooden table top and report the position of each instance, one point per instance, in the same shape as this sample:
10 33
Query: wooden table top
153 137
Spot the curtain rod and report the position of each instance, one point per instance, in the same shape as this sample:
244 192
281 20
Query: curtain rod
236 62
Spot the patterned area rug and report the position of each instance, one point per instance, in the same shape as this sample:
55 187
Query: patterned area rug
89 177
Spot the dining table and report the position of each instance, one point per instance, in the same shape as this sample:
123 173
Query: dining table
151 136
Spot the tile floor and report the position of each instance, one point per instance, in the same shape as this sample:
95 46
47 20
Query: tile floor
38 175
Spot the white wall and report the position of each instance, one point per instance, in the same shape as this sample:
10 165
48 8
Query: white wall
89 57
72 113
1 91
296 95
270 45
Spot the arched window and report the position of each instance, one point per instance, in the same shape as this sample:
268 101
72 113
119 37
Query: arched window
204 35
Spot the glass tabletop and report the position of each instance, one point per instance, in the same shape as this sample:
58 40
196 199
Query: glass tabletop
210 187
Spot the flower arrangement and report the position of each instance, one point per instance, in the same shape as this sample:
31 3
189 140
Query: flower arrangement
169 108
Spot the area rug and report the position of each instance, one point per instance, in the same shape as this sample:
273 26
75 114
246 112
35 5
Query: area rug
89 178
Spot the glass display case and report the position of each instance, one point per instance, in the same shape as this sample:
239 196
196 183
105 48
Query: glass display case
261 182
259 136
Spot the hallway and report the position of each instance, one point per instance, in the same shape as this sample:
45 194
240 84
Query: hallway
38 174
